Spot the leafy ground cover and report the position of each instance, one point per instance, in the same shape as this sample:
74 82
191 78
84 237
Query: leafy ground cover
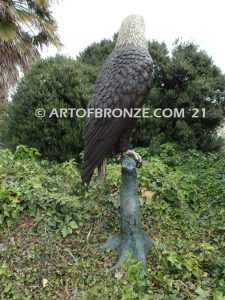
52 229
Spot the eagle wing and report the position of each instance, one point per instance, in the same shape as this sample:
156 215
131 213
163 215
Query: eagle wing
124 83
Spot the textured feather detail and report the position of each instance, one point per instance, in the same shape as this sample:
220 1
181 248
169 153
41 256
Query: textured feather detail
124 83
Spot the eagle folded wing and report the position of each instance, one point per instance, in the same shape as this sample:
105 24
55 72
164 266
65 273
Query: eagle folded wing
124 83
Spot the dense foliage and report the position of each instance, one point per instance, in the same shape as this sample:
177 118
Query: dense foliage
51 229
97 53
187 80
58 82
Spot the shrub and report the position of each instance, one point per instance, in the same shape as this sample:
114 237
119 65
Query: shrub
57 82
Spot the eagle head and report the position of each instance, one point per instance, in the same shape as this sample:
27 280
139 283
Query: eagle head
132 32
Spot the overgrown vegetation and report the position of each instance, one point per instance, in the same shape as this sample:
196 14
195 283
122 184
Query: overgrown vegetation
51 228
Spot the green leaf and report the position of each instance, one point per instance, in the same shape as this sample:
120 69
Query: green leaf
203 294
65 231
8 31
25 16
73 225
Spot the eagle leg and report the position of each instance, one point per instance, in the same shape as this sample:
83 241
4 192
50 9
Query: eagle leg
123 147
102 172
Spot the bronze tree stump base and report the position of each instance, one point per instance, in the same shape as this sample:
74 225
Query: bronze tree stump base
132 238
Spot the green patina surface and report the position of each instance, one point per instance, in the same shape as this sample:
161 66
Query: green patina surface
132 239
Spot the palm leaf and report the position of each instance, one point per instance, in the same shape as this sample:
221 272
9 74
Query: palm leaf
8 31
25 16
25 25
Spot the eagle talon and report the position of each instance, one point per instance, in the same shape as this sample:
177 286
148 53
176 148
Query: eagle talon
132 154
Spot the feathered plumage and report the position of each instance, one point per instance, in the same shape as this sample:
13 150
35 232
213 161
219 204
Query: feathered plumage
125 82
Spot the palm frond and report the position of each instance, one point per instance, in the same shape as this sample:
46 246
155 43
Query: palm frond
25 26
8 30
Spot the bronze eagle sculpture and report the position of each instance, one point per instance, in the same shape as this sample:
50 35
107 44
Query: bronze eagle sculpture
124 83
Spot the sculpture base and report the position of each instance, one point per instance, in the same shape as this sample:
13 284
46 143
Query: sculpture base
137 243
132 238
